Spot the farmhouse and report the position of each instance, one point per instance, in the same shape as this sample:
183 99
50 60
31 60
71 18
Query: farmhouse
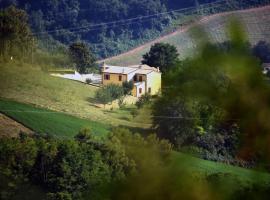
146 79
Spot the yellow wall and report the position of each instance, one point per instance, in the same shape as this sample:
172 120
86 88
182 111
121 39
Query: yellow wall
134 91
154 81
114 79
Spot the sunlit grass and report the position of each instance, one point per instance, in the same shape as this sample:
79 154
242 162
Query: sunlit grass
27 84
48 122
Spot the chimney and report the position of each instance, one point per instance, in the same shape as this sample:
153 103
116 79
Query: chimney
157 69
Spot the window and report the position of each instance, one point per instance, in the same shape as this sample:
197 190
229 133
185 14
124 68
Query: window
149 90
140 78
120 78
140 90
107 76
135 78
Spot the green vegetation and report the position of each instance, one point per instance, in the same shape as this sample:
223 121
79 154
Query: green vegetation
16 40
161 55
128 87
82 57
69 20
184 42
207 104
48 121
30 85
197 165
109 93
112 168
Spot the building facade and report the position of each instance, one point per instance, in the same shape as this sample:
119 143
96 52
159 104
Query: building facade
146 79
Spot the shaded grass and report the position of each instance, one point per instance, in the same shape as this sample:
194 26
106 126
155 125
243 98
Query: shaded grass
50 122
208 168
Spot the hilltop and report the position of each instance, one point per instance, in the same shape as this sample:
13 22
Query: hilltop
255 21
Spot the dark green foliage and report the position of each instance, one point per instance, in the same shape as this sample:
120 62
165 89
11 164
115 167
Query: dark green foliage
75 168
161 55
59 196
207 96
69 20
262 51
109 93
16 39
88 81
66 169
173 120
144 99
128 87
81 56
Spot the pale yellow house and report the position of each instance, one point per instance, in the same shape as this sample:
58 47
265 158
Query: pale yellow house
146 79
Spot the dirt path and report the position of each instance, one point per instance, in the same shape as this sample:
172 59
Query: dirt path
11 128
183 29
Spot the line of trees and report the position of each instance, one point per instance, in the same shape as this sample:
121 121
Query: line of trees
79 168
106 40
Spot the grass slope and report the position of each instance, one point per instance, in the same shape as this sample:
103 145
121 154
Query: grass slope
45 121
255 21
30 85
197 165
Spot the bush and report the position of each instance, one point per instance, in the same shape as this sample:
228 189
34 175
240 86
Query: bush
144 99
128 87
109 93
134 113
88 80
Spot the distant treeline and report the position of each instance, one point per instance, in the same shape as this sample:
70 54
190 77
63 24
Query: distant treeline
67 21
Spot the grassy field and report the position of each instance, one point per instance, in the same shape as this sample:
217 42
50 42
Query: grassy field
22 83
214 25
46 121
197 165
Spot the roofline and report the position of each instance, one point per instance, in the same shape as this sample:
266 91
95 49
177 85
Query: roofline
120 73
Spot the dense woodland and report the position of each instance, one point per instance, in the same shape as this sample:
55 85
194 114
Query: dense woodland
68 21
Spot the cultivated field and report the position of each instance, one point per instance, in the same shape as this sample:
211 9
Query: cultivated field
255 21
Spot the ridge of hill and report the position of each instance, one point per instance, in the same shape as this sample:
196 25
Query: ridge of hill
255 21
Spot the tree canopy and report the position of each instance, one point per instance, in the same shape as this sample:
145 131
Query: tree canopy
220 93
82 57
161 55
15 35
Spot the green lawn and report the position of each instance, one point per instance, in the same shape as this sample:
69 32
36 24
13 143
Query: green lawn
48 121
205 167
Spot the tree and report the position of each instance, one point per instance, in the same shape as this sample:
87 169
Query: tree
81 56
161 55
262 51
15 35
128 87
109 93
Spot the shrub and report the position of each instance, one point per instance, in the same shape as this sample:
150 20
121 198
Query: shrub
88 80
128 87
109 93
143 100
134 113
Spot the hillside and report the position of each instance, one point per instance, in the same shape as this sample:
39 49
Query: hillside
30 85
255 21
11 128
